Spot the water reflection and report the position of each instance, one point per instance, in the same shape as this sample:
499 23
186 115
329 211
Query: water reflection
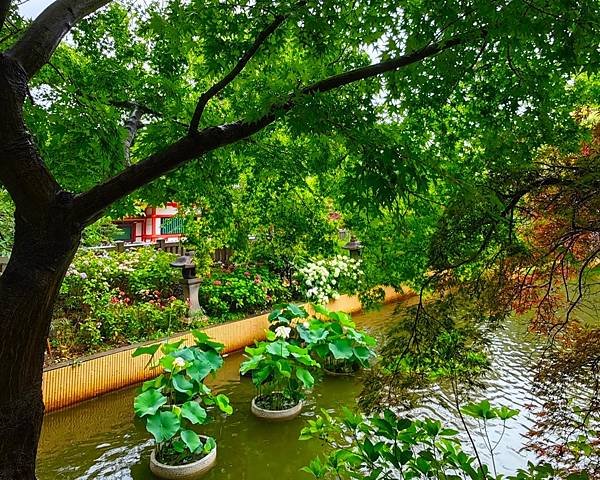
99 439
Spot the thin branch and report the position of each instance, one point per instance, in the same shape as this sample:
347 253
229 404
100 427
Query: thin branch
145 109
89 205
41 38
230 77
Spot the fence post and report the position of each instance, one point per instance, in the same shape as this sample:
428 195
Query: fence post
160 243
120 244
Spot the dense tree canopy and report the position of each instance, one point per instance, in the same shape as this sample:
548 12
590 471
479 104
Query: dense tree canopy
420 118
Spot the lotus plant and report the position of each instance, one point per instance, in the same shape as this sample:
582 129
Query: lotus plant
280 370
335 341
288 317
174 403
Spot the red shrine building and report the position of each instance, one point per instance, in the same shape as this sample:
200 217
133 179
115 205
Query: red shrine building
155 223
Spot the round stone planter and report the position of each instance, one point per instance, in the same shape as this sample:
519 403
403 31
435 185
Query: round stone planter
277 415
190 471
329 373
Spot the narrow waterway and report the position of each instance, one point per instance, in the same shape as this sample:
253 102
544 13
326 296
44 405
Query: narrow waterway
99 439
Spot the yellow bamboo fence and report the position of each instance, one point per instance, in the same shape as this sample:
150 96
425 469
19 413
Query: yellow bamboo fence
71 382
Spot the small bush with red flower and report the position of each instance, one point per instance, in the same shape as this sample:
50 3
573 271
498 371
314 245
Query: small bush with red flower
237 291
110 299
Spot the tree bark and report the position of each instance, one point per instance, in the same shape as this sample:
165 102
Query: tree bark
46 239
28 290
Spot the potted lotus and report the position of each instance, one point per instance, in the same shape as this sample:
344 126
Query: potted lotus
174 404
290 315
281 374
336 343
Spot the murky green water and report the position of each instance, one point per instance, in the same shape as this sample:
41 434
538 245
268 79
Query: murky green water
100 440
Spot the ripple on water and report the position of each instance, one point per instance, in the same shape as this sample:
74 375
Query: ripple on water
100 440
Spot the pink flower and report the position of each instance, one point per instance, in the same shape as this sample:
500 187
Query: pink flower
217 282
586 150
247 273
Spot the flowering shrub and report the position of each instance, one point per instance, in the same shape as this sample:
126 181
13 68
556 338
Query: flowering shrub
240 290
327 279
112 298
133 272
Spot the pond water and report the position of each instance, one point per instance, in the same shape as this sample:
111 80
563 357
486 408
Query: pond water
99 439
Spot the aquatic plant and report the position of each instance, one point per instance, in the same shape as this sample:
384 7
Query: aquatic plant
389 446
333 337
281 371
173 404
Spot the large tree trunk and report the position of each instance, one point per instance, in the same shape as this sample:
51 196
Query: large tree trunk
46 238
28 289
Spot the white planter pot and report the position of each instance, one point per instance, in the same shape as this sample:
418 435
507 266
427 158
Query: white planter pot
281 415
190 471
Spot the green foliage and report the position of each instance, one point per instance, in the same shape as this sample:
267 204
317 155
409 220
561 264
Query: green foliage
372 298
101 232
278 221
336 342
483 410
240 290
425 348
281 371
7 223
176 401
389 446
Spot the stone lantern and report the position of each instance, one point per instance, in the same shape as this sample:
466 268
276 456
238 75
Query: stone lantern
191 283
354 247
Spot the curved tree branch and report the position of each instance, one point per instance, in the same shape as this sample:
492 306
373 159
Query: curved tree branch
227 79
36 46
90 205
22 170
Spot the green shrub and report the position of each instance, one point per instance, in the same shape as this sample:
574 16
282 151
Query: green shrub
241 290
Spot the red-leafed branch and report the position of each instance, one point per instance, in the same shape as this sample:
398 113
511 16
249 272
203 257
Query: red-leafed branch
35 47
89 205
